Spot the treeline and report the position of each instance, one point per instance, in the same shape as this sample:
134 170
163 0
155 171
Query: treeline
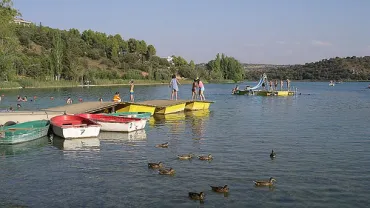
42 53
349 68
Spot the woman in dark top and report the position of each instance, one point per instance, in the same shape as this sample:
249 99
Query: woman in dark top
194 90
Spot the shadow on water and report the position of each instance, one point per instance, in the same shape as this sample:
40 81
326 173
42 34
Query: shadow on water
17 149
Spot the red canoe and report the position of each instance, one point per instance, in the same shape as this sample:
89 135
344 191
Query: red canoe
70 126
116 123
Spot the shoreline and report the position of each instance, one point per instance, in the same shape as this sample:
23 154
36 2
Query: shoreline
140 83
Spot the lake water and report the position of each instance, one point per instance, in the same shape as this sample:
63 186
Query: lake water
321 138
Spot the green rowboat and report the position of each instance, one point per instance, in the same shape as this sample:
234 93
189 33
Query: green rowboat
142 115
24 132
242 92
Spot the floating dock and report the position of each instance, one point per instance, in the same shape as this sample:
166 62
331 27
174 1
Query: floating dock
265 92
162 107
274 93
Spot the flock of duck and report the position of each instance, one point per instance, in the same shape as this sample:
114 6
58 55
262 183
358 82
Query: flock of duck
201 196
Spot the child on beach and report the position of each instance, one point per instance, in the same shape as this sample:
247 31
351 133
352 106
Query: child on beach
132 90
174 87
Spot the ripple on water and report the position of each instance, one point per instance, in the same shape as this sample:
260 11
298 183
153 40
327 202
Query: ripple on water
320 139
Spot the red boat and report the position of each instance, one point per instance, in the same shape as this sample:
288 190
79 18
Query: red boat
72 126
116 123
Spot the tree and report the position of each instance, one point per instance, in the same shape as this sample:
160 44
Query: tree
179 61
192 65
150 52
57 55
8 40
132 45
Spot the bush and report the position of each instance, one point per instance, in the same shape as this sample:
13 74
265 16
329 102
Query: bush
93 54
107 62
133 74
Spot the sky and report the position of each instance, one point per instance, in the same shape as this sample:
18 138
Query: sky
252 31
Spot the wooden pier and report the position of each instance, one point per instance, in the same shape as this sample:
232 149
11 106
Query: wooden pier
85 107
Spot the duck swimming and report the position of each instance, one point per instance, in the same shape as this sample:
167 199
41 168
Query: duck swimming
270 182
185 157
220 189
164 145
155 165
166 171
273 154
204 157
196 196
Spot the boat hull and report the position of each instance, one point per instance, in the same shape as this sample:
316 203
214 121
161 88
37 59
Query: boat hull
72 132
71 126
24 132
122 127
116 123
141 115
242 92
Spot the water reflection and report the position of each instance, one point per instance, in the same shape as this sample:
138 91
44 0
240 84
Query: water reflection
198 121
76 144
175 121
23 148
118 137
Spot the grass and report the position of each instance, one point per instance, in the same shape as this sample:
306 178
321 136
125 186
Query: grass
30 83
9 85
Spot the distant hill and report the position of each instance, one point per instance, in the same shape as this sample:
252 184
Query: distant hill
262 66
348 68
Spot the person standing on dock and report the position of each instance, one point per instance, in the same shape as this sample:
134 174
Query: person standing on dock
276 84
174 87
281 84
288 84
132 90
194 90
201 90
270 86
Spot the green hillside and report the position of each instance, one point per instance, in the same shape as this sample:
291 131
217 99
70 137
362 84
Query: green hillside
349 68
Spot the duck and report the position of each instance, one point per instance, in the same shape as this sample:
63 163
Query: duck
270 182
155 165
220 189
196 196
185 156
273 154
205 157
164 145
166 171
